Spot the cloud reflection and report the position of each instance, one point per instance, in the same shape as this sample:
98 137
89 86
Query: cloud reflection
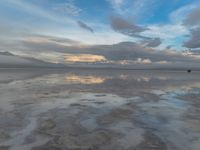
78 79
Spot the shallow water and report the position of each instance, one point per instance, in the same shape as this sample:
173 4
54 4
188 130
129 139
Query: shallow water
99 109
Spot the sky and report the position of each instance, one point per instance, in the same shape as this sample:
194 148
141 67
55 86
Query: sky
117 32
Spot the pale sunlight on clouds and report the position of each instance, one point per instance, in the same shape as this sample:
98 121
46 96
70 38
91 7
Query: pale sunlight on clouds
73 58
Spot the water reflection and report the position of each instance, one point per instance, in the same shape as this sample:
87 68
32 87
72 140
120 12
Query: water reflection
121 82
137 109
77 79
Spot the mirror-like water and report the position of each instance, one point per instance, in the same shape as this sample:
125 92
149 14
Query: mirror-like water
99 109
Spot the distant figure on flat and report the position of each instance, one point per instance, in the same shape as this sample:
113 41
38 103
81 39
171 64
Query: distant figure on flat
189 71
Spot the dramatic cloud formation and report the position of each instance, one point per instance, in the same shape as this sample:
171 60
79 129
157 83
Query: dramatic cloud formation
117 52
193 18
85 26
194 40
179 14
138 33
193 21
126 27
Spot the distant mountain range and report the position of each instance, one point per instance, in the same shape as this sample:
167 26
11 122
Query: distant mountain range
9 60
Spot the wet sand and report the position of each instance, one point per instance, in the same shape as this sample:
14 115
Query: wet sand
88 109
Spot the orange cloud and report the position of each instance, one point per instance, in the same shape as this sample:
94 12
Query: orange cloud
84 58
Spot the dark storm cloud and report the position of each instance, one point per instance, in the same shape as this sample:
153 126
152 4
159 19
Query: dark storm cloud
195 52
85 26
193 22
194 40
193 18
126 27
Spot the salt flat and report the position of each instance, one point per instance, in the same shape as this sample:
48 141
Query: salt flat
90 109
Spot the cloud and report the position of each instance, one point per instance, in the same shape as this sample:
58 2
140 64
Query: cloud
52 39
85 26
169 47
179 14
36 10
137 9
193 22
126 27
170 34
143 61
68 8
88 58
128 51
167 31
67 51
117 4
194 40
193 18
154 42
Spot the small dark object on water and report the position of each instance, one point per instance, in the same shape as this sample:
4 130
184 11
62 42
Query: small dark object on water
189 71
